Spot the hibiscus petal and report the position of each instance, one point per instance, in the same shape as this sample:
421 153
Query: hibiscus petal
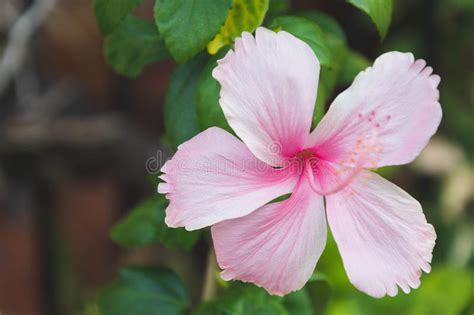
382 235
329 178
277 246
386 117
214 177
269 86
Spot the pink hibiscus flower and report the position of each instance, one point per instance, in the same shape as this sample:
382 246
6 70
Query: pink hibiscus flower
269 84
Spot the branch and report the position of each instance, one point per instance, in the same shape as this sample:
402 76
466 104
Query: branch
19 39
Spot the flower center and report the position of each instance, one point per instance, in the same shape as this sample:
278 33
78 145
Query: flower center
305 155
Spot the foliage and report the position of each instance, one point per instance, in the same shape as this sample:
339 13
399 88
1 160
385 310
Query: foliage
209 112
446 291
352 65
312 299
180 105
143 291
240 299
111 13
245 15
380 11
132 45
330 74
307 31
187 26
146 224
328 24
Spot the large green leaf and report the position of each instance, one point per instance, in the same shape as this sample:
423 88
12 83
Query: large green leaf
110 13
276 8
133 45
326 22
180 106
146 224
329 75
188 25
209 111
347 64
144 291
380 11
329 46
307 31
298 303
320 292
353 64
312 299
337 43
243 299
245 15
446 291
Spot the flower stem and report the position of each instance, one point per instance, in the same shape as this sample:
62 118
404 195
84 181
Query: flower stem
209 289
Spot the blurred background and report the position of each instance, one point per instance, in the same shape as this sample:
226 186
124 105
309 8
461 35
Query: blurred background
75 138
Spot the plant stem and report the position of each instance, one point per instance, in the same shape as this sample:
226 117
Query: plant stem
210 285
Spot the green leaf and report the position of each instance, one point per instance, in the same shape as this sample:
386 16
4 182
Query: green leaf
181 122
320 107
277 7
281 198
312 299
446 291
188 25
298 303
133 45
245 15
353 64
337 42
110 13
307 31
326 22
328 45
320 292
146 224
153 180
328 76
380 11
243 299
144 291
209 111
